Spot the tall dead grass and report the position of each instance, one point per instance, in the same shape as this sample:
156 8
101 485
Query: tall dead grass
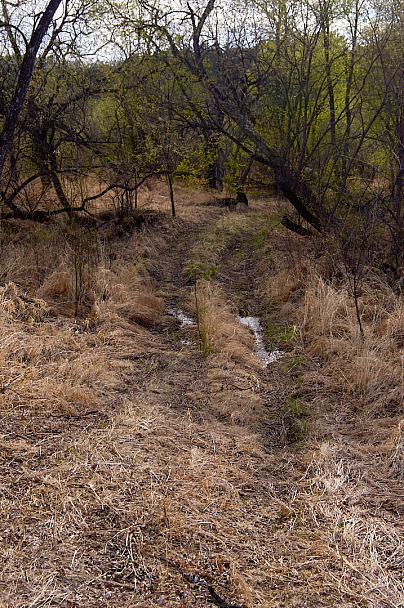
308 286
370 367
354 389
219 330
66 309
93 500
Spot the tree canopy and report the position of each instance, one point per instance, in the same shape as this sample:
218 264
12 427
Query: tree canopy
308 96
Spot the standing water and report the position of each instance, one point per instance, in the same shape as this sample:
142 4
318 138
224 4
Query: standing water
178 313
263 355
252 323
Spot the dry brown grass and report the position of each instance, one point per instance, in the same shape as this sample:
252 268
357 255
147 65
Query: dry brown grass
396 448
48 357
369 368
232 368
136 470
351 488
219 330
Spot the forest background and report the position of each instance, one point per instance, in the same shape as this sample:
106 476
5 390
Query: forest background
306 96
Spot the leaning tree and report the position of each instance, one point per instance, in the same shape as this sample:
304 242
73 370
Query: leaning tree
26 61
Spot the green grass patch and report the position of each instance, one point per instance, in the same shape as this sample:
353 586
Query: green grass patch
210 273
207 252
295 363
295 419
282 333
293 368
260 238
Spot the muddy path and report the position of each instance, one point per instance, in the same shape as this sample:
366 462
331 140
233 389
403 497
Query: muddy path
178 272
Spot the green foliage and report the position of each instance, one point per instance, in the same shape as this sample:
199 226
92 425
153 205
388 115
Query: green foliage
198 269
294 406
293 368
282 333
210 273
319 92
295 362
260 238
195 268
295 419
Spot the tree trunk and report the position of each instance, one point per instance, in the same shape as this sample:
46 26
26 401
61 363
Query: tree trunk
170 186
57 184
291 225
26 70
398 186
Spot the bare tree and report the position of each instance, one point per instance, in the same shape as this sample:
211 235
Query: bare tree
25 73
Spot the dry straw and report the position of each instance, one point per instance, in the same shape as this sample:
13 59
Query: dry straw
138 471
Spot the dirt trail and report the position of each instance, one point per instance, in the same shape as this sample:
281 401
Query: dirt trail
199 482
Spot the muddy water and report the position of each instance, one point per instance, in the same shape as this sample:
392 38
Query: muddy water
179 314
252 323
263 355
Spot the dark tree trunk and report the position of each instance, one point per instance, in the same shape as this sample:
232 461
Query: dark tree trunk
288 180
398 186
241 196
57 184
215 169
291 225
170 186
26 70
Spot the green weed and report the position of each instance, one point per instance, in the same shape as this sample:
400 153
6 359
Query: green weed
295 419
293 367
283 333
295 361
259 239
210 273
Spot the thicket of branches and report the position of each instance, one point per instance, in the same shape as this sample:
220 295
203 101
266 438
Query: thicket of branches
309 96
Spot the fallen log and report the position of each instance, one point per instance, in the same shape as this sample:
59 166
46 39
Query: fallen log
291 225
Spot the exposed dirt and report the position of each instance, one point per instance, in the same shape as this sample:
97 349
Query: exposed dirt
198 477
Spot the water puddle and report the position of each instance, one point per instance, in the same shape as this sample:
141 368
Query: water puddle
263 355
179 314
252 323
